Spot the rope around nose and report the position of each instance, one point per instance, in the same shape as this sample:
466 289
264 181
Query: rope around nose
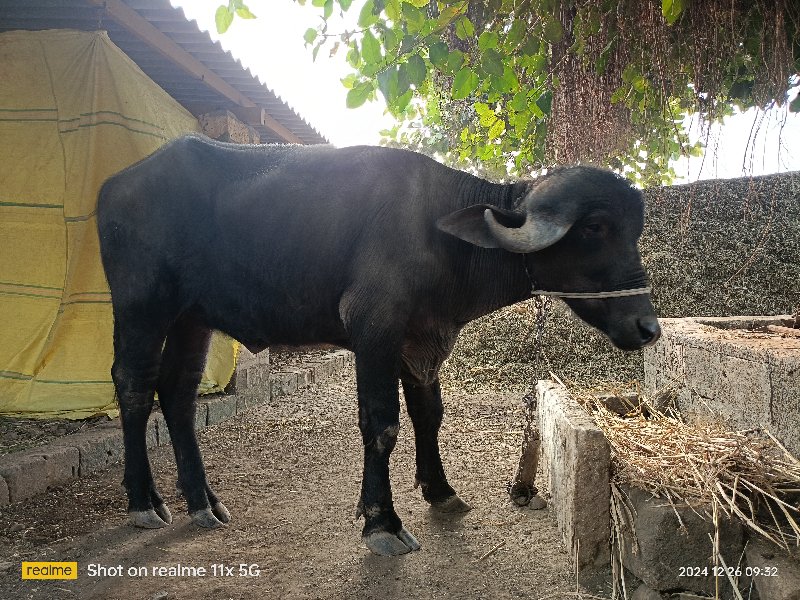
594 295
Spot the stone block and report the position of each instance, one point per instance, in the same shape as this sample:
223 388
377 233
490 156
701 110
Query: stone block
221 409
157 428
741 381
223 125
576 464
283 384
659 548
4 496
97 449
34 471
322 370
201 415
778 577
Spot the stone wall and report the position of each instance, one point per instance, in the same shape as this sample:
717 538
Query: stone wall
712 248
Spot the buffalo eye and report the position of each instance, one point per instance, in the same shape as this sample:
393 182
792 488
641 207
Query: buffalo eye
594 230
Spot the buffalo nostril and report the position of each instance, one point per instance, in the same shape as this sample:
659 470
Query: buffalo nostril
649 328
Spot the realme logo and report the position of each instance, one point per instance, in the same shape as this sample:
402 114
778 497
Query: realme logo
50 570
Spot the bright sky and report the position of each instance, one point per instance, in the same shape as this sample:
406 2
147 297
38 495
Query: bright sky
272 47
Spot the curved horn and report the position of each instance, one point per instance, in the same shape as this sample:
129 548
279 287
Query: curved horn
536 233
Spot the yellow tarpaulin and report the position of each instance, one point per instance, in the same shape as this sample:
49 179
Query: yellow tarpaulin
74 109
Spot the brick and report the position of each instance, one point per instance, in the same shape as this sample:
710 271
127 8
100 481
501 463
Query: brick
221 409
97 449
33 472
576 463
663 546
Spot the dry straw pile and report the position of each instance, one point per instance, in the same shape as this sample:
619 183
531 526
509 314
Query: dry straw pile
743 474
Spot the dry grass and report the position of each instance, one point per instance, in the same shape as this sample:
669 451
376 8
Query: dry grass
747 475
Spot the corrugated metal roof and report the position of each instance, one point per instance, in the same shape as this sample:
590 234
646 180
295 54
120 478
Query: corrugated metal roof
188 88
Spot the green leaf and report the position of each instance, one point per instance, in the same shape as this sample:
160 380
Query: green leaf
327 11
415 67
464 28
465 82
516 33
520 101
345 4
349 81
419 3
553 32
672 9
794 105
497 129
390 41
310 35
392 9
223 19
545 102
244 13
318 3
370 48
366 17
387 84
437 53
454 60
359 94
492 62
531 46
413 17
487 40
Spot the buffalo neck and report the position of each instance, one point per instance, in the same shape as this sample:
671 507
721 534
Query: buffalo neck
488 278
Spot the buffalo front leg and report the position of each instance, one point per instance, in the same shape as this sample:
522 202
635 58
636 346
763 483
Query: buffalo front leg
379 421
137 353
181 370
426 411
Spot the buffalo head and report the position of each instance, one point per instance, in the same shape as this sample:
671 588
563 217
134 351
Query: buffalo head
578 228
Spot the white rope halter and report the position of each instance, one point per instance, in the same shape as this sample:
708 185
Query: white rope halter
594 295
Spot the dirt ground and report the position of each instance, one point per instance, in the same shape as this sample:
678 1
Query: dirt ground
290 473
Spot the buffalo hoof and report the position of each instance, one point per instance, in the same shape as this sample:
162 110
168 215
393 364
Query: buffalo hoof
146 519
163 511
537 503
221 512
384 543
206 518
453 504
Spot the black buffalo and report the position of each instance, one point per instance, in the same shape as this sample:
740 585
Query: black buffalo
379 250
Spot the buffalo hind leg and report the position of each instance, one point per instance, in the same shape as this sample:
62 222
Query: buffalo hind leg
181 370
379 421
137 354
425 408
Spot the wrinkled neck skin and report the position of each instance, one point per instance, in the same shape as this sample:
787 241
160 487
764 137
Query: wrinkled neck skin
490 278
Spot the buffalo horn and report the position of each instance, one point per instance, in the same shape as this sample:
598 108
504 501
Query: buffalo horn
535 234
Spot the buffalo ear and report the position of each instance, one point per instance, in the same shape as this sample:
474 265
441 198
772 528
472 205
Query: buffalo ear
469 224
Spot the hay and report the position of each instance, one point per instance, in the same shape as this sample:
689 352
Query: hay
743 474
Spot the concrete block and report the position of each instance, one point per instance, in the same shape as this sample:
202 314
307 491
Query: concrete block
97 449
720 375
778 577
576 464
646 593
283 384
322 370
201 415
658 548
223 125
34 471
157 427
221 409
